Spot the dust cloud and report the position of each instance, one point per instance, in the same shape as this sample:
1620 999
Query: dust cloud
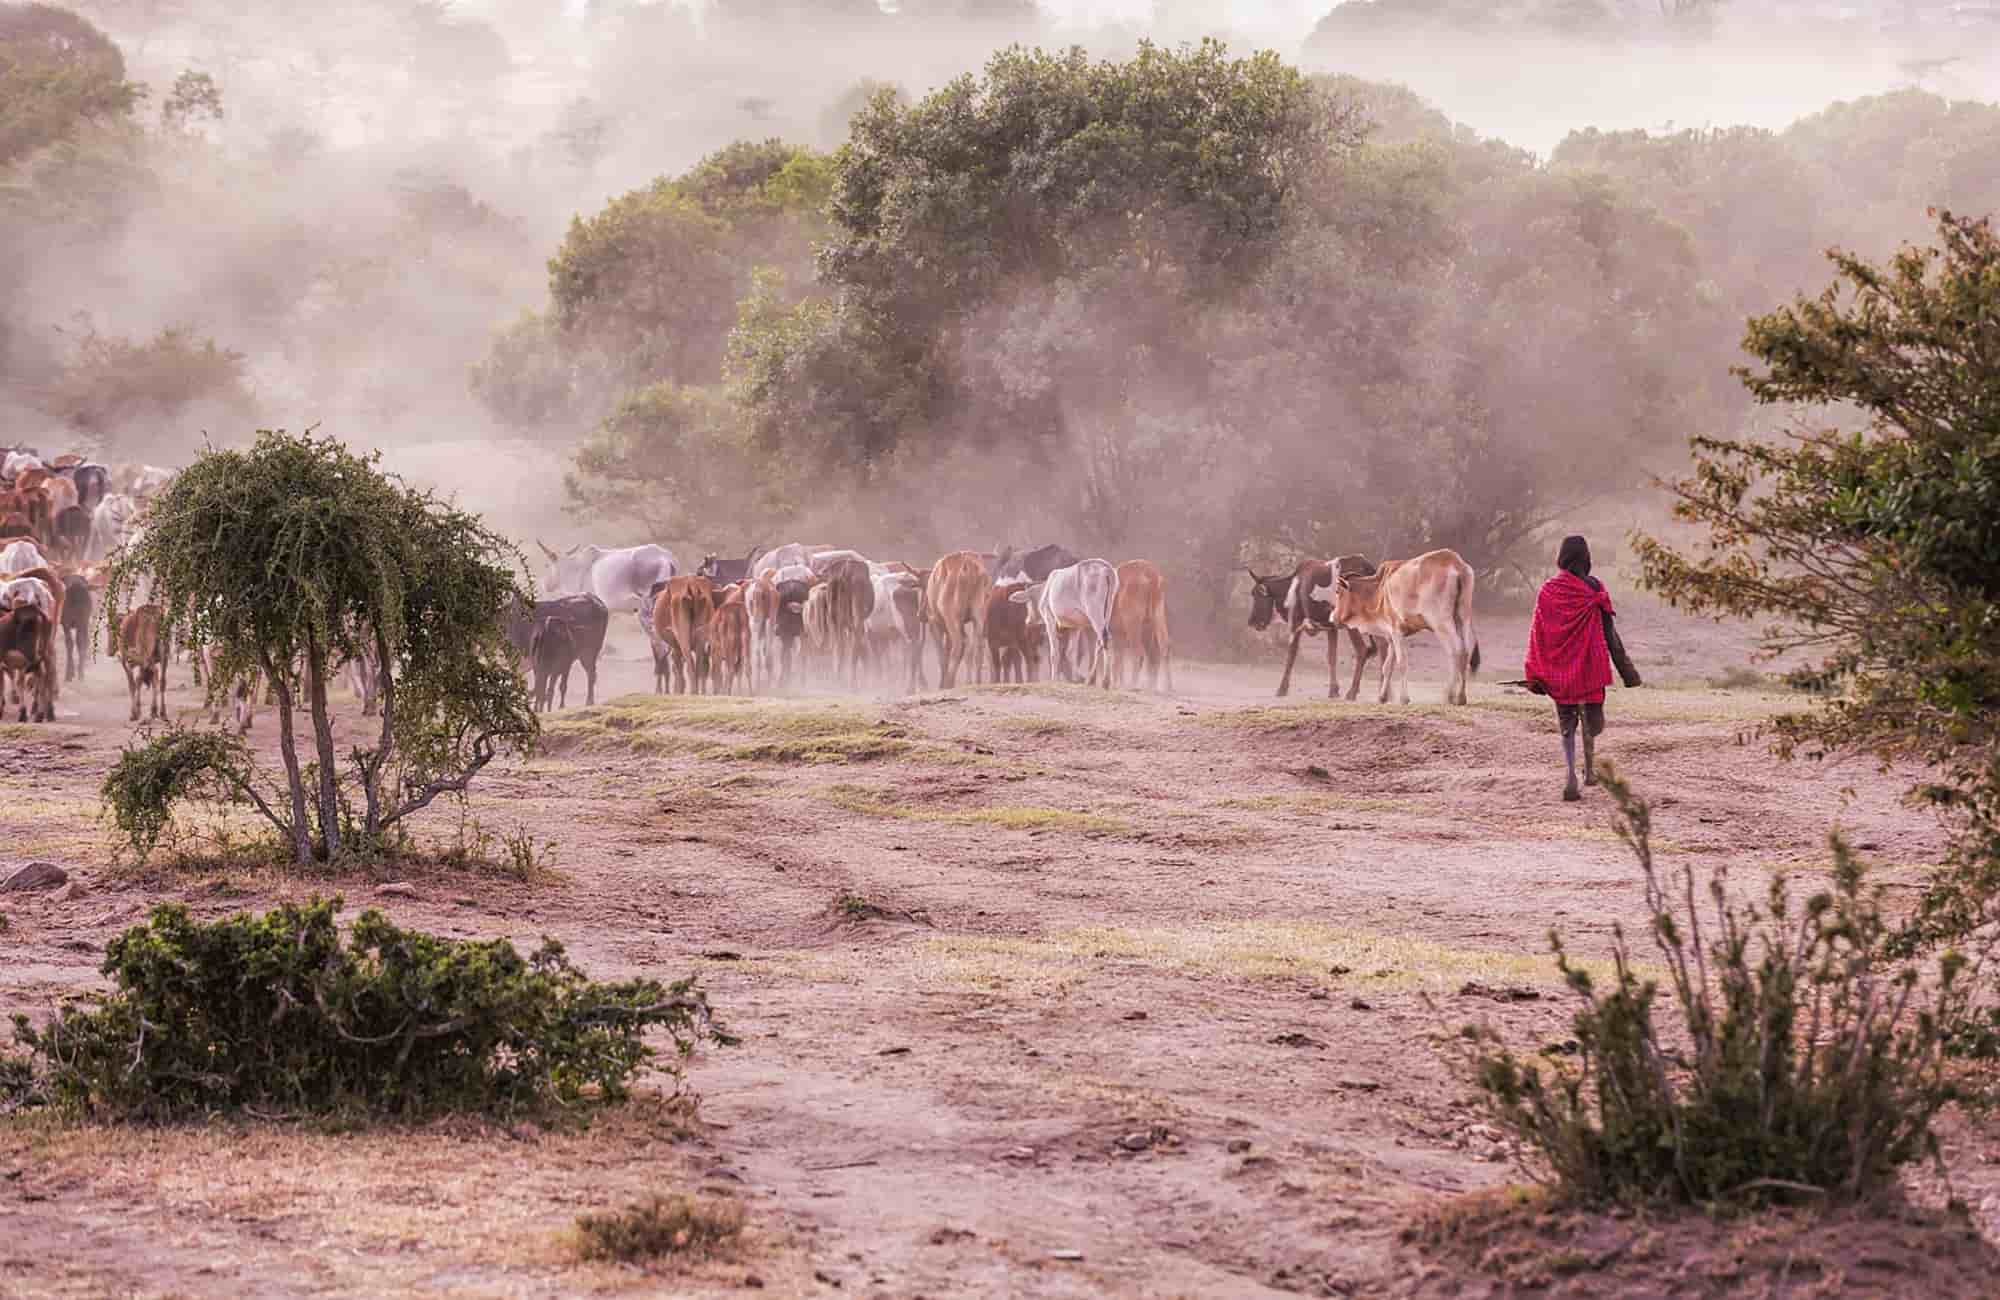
386 180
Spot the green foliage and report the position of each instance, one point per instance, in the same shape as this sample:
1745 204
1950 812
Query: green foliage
278 1013
646 290
295 555
663 1225
195 98
115 386
1806 1059
57 72
1874 548
151 778
665 452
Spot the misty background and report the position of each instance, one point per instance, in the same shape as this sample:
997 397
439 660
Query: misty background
569 262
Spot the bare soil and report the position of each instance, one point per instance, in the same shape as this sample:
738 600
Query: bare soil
1042 991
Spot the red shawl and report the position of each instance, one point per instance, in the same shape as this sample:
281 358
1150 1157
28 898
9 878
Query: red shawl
1566 651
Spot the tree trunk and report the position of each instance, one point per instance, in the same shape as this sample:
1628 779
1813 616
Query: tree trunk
288 749
372 770
329 792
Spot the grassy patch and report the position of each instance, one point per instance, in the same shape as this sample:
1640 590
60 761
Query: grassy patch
1036 728
1066 692
1312 713
1018 817
665 1225
737 728
1236 950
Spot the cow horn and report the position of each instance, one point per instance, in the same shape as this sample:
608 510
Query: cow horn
546 551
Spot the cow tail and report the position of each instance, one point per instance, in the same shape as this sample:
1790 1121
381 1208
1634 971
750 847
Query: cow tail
1461 613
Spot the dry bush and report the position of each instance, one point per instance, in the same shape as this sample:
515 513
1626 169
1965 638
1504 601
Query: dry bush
665 1225
1808 1060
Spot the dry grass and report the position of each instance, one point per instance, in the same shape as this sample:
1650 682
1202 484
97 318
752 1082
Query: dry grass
1007 816
1253 950
375 1212
1311 801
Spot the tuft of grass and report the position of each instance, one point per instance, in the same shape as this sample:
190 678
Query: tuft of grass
678 1225
1740 678
856 908
1313 801
1274 718
1007 816
1036 728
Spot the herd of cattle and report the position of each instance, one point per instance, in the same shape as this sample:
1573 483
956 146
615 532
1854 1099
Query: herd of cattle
767 620
59 520
764 622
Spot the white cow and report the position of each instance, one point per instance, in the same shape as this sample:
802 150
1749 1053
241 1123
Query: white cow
619 578
1077 599
17 461
111 526
898 621
16 592
785 557
20 555
821 561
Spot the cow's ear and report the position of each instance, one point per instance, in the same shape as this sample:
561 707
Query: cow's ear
546 551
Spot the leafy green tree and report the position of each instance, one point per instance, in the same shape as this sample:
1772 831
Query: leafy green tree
1872 548
674 460
646 290
57 71
291 557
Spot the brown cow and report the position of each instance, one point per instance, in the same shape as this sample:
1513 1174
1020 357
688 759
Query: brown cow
850 599
1013 634
142 649
1430 593
680 618
729 643
760 599
957 595
26 655
1291 596
1139 624
48 591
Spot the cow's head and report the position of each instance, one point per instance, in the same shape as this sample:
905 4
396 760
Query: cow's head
1267 596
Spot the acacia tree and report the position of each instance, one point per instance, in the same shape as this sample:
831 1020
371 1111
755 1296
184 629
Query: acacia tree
1873 548
288 559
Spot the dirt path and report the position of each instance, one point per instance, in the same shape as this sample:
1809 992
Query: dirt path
1042 991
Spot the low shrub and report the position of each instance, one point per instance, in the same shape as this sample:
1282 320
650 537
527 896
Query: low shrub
1807 1061
664 1225
278 1013
177 766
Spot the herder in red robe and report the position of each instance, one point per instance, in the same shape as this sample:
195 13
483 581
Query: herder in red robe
1571 648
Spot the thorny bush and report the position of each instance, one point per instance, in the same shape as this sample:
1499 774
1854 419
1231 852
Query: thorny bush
275 1013
664 1225
1808 1060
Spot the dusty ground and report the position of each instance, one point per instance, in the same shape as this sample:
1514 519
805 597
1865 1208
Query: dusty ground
1042 992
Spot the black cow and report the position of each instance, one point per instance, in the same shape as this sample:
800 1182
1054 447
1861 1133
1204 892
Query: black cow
790 624
724 572
1311 615
551 650
70 534
93 482
1035 565
588 620
76 610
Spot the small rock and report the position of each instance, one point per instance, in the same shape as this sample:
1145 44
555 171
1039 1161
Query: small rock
1358 1085
73 890
1340 970
894 1051
1070 1256
1019 1153
1296 1039
1317 995
819 1276
396 889
1360 1004
1136 1141
36 875
1135 1015
1237 1146
754 1282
